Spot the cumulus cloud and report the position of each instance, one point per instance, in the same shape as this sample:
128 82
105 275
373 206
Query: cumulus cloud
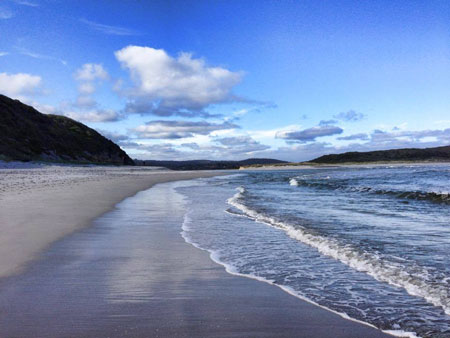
19 85
108 29
360 136
349 116
179 129
309 134
175 85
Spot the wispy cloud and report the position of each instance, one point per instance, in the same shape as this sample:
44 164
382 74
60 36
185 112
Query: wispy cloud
3 53
6 13
26 3
108 29
34 55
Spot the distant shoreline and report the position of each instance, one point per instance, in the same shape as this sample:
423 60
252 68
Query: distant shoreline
308 165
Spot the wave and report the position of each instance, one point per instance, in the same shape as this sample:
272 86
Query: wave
431 196
229 268
394 273
293 182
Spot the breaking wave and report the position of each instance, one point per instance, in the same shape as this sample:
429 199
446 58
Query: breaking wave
413 279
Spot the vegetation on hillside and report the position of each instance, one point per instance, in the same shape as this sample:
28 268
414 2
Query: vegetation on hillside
26 135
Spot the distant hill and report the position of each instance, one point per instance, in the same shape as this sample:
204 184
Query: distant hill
407 154
26 134
207 165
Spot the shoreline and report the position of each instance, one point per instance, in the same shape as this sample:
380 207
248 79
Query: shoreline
41 205
231 270
212 301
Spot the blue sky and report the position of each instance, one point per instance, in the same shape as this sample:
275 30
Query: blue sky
235 79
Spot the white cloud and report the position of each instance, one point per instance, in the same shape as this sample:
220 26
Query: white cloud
4 53
101 115
86 88
176 84
91 72
179 129
19 85
43 108
89 76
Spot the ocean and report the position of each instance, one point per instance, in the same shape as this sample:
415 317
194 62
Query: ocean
370 243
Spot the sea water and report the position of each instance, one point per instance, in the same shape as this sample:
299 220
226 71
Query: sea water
371 243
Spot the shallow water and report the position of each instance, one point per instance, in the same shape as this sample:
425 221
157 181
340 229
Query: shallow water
371 243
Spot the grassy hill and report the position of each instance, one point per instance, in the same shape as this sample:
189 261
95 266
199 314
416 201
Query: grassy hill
26 134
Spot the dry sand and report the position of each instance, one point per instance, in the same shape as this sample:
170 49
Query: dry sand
41 204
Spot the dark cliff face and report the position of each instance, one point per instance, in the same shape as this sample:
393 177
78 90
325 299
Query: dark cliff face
409 154
26 134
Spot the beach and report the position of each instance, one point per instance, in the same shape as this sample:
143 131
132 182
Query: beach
42 204
78 262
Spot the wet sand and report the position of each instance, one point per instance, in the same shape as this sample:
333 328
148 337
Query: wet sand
40 205
132 275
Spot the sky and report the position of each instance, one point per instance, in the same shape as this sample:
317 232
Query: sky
179 80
